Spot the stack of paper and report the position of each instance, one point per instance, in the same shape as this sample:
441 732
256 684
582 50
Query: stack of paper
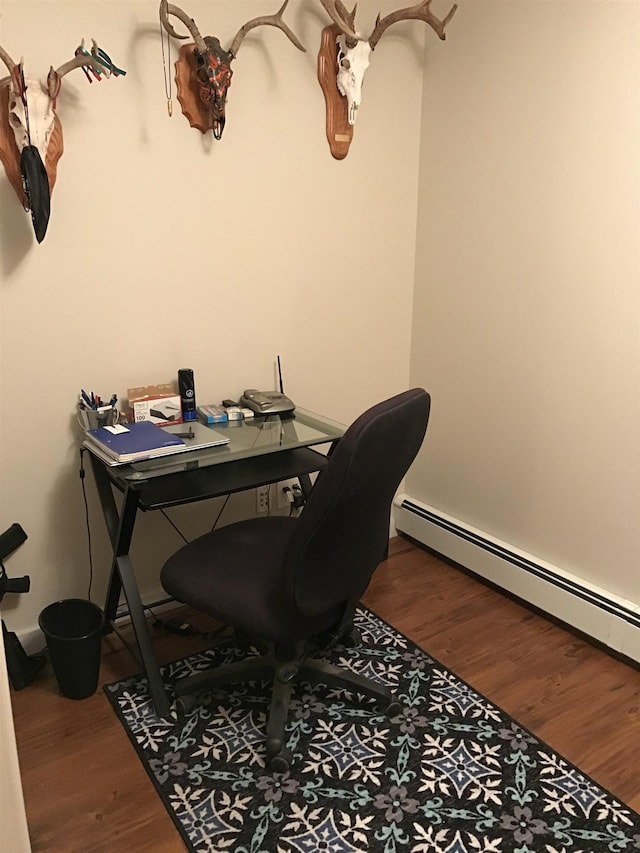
142 440
133 442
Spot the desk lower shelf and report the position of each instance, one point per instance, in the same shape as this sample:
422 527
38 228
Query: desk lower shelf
204 483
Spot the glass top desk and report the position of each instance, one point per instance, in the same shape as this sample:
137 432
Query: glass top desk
260 451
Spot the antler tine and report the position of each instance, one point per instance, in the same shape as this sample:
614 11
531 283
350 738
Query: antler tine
81 59
167 9
270 20
419 12
7 60
350 20
340 20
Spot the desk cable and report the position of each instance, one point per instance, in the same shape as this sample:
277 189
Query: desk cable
86 515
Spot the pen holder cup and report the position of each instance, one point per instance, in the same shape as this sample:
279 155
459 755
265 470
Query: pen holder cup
89 419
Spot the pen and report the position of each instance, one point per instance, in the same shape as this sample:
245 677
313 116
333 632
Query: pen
86 400
94 402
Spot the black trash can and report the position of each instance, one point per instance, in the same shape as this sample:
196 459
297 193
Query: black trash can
73 631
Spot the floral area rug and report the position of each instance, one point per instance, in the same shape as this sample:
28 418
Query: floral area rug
452 774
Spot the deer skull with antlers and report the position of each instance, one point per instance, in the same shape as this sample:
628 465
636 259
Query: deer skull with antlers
353 51
30 131
212 63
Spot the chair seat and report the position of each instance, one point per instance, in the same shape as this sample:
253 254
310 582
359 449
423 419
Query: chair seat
235 577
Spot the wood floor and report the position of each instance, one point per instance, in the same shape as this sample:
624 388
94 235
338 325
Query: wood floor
85 789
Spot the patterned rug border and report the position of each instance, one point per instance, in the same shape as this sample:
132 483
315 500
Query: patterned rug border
110 692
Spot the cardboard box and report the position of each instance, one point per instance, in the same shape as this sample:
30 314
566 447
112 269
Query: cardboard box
159 404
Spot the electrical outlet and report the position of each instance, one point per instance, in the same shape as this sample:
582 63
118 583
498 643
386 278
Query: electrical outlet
283 500
262 499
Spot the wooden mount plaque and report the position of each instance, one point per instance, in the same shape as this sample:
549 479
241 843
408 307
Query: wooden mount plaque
339 131
187 90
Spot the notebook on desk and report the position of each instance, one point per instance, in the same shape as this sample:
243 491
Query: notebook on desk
196 435
142 440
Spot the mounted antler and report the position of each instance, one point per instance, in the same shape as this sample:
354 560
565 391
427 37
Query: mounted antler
266 20
4 56
353 54
82 59
340 17
210 63
419 12
167 9
30 131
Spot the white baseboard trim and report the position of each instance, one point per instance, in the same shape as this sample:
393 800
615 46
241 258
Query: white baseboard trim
32 641
600 614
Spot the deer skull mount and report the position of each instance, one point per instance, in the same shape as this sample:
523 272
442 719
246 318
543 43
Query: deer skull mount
203 70
348 53
352 61
40 116
30 131
213 74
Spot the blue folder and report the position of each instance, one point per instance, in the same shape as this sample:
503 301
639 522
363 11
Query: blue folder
132 442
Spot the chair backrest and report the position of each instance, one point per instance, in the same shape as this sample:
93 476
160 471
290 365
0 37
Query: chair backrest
342 533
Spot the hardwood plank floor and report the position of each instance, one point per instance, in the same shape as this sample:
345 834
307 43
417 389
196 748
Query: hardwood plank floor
85 789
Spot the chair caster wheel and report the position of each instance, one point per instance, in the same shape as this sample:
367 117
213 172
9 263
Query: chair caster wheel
280 763
393 709
278 756
287 673
185 704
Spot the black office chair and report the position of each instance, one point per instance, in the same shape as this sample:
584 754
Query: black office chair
285 582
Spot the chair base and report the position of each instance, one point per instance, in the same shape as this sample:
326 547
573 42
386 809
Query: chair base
283 673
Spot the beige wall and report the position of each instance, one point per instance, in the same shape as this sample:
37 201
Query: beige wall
15 835
167 249
519 164
526 314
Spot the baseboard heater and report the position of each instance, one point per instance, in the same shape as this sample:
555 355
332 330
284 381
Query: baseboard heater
598 613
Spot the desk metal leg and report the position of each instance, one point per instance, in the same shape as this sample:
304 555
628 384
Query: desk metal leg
120 529
121 545
136 611
122 576
305 485
113 520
